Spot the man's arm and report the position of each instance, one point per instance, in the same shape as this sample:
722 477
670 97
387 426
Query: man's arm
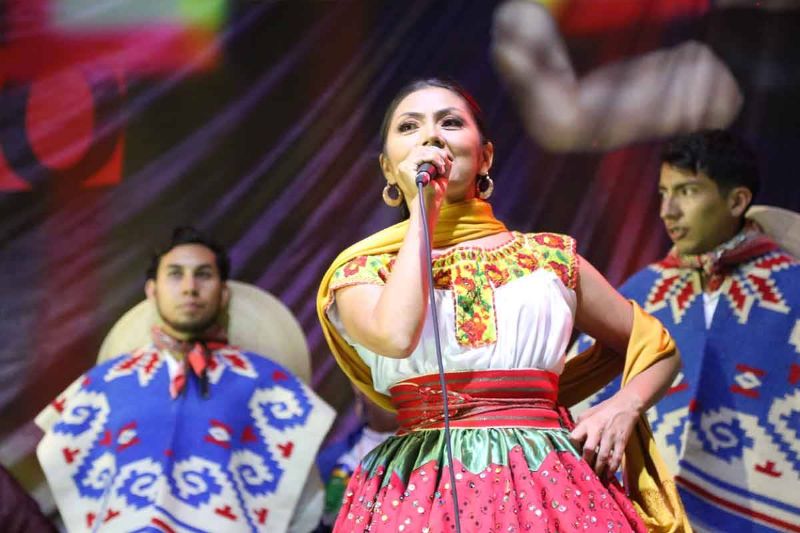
655 95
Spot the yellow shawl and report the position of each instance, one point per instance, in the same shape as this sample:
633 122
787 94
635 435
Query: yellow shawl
651 486
649 482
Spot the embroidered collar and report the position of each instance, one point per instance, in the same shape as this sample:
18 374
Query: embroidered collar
467 251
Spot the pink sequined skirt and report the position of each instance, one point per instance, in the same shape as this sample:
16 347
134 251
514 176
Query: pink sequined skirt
515 468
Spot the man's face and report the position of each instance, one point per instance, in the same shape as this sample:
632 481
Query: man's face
188 291
697 216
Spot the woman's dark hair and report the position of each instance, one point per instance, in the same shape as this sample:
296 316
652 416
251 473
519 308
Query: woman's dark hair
442 83
718 154
189 235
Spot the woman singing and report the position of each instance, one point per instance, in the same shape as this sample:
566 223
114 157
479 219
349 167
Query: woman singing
507 303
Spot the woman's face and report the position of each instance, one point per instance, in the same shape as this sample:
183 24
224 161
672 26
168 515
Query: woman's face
438 116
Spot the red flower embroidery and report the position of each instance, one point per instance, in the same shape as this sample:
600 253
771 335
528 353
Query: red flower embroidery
561 270
442 279
550 239
466 283
474 329
526 261
353 266
498 276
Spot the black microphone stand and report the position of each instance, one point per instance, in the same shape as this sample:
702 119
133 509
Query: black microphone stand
435 318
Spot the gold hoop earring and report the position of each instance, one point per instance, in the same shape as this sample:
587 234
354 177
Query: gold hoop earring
484 186
392 195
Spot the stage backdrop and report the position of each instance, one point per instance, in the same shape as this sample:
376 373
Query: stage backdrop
258 121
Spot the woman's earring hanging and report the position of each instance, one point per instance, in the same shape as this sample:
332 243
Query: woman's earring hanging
485 186
392 195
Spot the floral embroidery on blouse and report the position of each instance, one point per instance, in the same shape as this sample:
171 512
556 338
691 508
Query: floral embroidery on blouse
473 273
372 269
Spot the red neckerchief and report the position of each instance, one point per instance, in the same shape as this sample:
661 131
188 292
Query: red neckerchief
196 355
718 263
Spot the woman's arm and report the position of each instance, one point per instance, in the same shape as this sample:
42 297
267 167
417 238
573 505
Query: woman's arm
604 429
388 319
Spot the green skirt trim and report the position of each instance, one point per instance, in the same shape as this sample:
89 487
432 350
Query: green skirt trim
475 449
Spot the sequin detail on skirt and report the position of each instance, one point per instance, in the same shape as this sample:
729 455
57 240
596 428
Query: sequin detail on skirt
563 494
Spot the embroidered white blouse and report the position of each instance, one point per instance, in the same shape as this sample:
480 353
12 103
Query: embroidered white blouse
508 307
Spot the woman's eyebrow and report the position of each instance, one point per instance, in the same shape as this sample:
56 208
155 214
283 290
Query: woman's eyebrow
437 114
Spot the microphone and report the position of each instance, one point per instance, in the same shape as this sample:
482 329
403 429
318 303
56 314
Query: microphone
425 173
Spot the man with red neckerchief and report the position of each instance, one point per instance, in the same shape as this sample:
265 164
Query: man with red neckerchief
187 433
730 295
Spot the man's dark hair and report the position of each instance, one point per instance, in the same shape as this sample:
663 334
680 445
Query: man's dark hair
189 235
718 154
